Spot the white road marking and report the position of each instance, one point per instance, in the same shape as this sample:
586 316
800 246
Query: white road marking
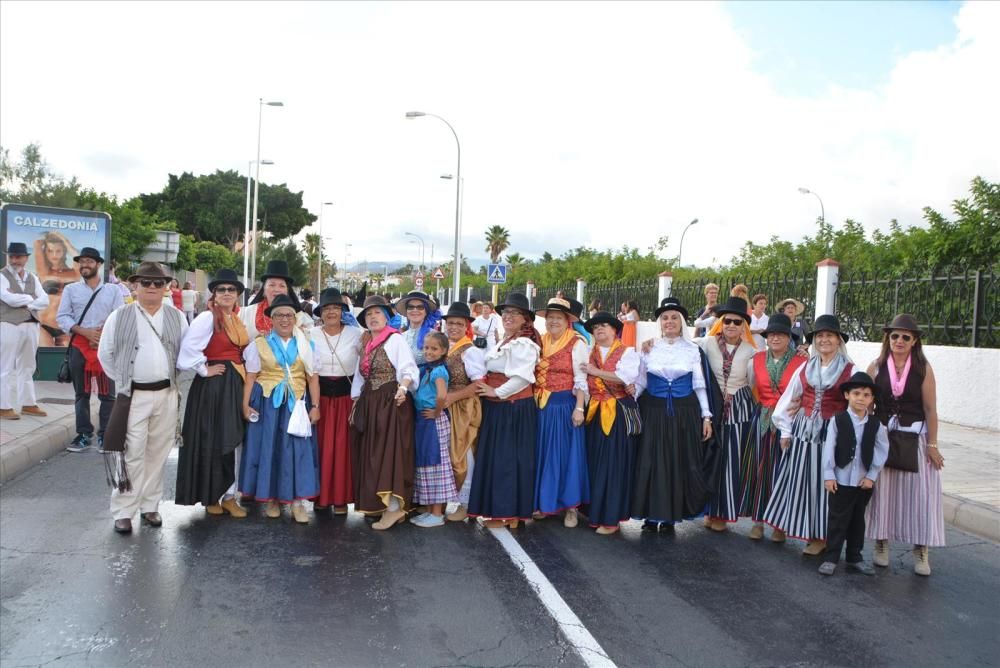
569 624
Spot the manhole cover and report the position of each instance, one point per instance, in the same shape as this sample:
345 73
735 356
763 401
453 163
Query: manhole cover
64 402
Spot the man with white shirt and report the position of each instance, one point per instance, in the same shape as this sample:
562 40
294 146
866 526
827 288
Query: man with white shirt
21 298
143 424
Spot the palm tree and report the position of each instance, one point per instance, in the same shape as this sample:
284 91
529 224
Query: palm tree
497 241
311 250
514 260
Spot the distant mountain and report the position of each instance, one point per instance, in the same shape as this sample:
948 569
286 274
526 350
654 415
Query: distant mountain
394 265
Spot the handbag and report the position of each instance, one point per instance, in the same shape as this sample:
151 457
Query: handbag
298 422
64 375
904 450
480 341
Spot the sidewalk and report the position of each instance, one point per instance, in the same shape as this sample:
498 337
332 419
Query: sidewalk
971 473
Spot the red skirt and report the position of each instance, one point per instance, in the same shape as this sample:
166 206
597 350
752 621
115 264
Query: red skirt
336 485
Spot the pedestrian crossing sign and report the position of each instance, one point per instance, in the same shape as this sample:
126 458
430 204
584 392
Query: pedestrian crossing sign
496 273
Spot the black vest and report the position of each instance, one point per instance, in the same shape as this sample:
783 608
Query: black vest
847 443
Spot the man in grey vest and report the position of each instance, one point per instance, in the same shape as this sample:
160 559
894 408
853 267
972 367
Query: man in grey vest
83 309
21 298
138 351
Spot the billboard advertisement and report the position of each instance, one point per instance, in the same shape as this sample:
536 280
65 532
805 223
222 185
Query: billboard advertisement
54 237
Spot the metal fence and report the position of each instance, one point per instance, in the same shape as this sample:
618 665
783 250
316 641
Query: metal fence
953 308
776 287
611 295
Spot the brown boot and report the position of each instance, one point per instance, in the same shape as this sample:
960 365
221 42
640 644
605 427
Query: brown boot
921 560
814 548
459 515
9 414
719 525
33 410
214 509
233 508
778 536
757 532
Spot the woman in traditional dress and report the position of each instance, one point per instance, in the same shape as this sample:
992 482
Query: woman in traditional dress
466 367
771 372
669 484
906 505
729 348
383 418
421 316
278 467
504 477
335 345
798 505
275 281
613 423
561 480
213 420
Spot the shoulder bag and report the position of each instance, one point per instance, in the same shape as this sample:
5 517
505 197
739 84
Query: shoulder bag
64 375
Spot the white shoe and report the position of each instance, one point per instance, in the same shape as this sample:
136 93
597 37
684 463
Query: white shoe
921 560
881 556
428 521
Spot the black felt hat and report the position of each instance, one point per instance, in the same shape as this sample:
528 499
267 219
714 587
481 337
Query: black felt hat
734 305
459 310
671 304
279 301
330 297
17 248
277 269
604 318
576 308
225 277
519 301
826 323
92 253
779 323
859 379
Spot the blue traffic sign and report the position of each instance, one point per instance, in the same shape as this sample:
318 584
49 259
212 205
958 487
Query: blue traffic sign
496 273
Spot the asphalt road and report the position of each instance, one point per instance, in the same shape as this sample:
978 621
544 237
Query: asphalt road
209 591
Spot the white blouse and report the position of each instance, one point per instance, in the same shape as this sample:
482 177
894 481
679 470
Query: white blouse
251 356
627 368
515 359
192 352
474 361
336 356
401 358
581 355
670 361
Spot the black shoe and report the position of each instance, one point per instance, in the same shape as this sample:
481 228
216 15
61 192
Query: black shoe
79 444
666 527
650 525
123 526
862 567
152 519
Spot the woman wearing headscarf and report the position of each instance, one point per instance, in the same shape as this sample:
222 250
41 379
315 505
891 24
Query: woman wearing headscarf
503 481
275 281
613 423
383 418
798 505
336 344
561 480
421 315
669 483
771 372
906 505
278 467
213 420
729 348
466 367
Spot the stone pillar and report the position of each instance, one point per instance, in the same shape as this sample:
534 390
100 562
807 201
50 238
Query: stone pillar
827 275
581 287
529 291
666 281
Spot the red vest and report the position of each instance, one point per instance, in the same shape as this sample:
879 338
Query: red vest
610 390
559 374
833 399
220 348
768 397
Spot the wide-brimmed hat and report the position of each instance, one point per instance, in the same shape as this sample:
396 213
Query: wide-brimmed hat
280 301
734 305
903 321
410 296
306 293
459 310
330 297
799 306
519 301
826 323
149 270
374 301
277 269
604 318
576 308
225 277
779 323
859 379
17 248
671 304
558 305
92 253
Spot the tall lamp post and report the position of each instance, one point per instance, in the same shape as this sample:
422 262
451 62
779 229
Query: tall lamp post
347 247
319 251
256 186
246 225
457 278
419 240
680 251
822 210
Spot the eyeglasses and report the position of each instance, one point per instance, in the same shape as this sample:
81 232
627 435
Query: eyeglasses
282 316
730 321
414 307
226 288
152 282
897 335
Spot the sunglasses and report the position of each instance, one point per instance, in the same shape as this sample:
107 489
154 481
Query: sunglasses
905 337
226 288
152 282
414 307
730 321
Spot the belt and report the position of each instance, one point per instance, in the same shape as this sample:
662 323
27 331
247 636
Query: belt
155 386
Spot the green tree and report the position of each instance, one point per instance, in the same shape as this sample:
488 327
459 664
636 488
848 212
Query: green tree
497 241
972 239
31 181
132 228
270 249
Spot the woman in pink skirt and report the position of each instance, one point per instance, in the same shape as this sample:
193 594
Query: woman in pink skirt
906 504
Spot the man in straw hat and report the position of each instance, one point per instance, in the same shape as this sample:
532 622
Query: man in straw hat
83 310
143 424
21 298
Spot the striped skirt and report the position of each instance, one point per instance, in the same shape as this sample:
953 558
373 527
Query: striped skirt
434 483
761 462
798 504
725 503
906 507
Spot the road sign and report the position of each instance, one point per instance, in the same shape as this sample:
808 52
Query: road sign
418 280
496 273
438 274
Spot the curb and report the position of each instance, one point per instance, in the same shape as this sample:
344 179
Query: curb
42 444
971 516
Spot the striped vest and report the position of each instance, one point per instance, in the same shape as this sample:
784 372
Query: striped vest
16 315
127 344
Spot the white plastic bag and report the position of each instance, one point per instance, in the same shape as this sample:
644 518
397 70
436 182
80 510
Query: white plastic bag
298 422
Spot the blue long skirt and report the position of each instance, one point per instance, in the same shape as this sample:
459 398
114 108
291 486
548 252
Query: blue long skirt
503 481
277 466
610 459
561 478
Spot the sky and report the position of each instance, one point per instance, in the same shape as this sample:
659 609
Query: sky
590 123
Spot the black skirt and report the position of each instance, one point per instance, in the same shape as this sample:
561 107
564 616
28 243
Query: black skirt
503 481
213 429
611 463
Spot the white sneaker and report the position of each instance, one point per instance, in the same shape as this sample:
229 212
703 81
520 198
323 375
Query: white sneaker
416 518
428 521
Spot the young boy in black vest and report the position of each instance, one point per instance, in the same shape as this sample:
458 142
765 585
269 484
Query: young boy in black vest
856 447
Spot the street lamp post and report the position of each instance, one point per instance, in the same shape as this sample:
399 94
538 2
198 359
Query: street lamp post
319 250
346 249
246 224
421 241
822 209
256 186
457 279
680 251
